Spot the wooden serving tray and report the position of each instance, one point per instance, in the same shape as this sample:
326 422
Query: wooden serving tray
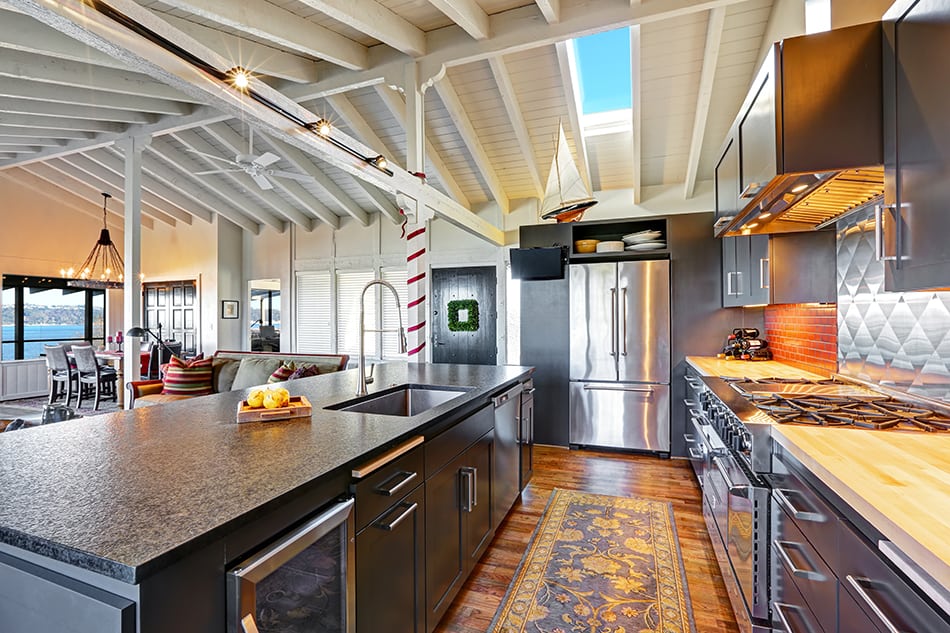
299 407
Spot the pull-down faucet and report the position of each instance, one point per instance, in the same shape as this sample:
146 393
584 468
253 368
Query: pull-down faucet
361 388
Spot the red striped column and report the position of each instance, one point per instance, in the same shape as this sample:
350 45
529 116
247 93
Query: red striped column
417 263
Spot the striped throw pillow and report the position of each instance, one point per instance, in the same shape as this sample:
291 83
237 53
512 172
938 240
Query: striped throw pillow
283 372
188 378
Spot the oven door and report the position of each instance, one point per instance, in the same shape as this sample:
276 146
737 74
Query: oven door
697 445
302 582
746 534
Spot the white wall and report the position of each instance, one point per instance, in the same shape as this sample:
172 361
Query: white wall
230 284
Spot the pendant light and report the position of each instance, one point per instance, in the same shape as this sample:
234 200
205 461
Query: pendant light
103 267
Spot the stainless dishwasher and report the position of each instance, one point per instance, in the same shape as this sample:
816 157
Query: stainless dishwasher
506 461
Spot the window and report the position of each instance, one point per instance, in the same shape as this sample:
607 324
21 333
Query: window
390 343
39 310
314 311
512 318
349 287
604 81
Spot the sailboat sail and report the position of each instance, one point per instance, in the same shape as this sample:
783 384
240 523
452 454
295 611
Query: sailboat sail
566 197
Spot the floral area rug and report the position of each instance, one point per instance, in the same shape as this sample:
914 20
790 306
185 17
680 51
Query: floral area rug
599 564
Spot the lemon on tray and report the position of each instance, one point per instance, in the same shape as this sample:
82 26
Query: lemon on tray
272 398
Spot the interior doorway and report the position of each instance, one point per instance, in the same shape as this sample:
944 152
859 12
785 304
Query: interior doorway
464 315
264 315
171 308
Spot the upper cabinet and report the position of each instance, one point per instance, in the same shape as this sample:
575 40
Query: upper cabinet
757 137
915 217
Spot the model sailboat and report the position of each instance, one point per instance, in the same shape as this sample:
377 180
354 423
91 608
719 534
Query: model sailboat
566 197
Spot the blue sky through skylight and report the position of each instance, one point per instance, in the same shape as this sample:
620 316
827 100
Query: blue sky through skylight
603 68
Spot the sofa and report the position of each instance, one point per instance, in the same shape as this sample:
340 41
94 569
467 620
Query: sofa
231 370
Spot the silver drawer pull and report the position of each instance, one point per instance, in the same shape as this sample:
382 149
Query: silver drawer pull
808 574
689 438
736 490
389 527
801 515
857 583
780 608
618 388
751 190
406 477
696 454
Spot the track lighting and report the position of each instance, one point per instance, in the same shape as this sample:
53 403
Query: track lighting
240 78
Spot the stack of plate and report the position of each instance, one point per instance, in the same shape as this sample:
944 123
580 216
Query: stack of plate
644 241
610 247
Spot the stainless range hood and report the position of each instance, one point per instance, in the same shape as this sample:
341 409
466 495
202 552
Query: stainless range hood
807 145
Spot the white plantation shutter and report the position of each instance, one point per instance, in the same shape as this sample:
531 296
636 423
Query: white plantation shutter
314 305
397 277
349 286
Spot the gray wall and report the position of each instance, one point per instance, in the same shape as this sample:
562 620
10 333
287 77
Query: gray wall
898 339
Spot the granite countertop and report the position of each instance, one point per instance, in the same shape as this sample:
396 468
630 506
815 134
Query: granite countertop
120 493
899 482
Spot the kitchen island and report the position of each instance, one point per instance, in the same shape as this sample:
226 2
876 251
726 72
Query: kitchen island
149 506
898 482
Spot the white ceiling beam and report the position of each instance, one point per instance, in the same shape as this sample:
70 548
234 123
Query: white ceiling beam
86 24
483 164
82 190
18 141
23 33
269 22
58 195
171 154
236 143
467 14
22 149
305 164
268 199
568 67
377 21
59 123
398 108
550 9
39 91
636 114
114 163
43 108
11 131
259 59
116 188
116 182
513 108
176 177
717 18
383 203
18 64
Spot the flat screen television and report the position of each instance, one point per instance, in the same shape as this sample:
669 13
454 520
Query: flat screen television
532 264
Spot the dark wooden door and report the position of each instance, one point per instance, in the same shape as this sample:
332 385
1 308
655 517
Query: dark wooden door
173 305
478 523
453 338
446 559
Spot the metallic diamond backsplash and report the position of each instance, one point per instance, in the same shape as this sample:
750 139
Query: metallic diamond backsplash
898 339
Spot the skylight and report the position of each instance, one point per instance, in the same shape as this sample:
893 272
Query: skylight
604 81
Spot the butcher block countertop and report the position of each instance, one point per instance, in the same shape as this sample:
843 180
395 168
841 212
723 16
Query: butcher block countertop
899 482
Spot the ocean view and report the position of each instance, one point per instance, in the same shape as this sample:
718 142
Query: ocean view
37 335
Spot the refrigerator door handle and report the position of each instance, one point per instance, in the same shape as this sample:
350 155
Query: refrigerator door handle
612 387
613 321
623 317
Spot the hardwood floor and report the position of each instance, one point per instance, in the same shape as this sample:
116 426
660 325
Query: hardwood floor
605 473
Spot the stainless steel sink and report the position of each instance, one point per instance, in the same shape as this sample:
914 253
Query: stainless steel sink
402 400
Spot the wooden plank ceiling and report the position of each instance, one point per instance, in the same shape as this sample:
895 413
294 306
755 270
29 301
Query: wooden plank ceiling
490 118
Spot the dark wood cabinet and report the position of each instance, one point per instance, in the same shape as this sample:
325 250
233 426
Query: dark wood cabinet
914 218
727 179
744 260
390 569
757 136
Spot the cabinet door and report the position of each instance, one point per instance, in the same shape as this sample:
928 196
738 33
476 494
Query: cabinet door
730 298
478 520
727 180
759 269
446 558
390 569
917 149
757 152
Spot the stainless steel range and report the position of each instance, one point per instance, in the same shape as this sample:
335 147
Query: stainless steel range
730 444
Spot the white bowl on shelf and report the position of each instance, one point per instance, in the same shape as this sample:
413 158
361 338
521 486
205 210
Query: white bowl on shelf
641 237
610 246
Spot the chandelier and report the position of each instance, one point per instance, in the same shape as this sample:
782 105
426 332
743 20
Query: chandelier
103 267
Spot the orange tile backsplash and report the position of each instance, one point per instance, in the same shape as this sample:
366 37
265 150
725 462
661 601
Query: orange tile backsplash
804 335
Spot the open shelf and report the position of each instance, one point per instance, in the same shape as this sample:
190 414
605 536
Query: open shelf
612 230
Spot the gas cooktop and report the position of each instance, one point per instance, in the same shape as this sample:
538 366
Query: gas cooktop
836 403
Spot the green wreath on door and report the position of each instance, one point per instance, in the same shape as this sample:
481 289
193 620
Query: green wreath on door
460 305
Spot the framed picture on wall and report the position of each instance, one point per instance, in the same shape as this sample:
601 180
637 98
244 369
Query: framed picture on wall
230 309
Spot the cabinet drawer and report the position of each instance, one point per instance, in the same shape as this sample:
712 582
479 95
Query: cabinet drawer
790 611
811 575
882 594
810 513
381 489
851 619
443 447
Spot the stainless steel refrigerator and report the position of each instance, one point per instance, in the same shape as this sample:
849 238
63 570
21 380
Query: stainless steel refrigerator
620 355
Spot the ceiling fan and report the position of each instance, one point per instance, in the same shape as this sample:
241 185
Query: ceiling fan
257 167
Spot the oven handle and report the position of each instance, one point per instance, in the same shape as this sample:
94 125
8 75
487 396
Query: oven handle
780 608
857 583
736 490
808 574
801 515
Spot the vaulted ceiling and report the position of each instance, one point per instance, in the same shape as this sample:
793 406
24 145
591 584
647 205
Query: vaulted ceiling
501 75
